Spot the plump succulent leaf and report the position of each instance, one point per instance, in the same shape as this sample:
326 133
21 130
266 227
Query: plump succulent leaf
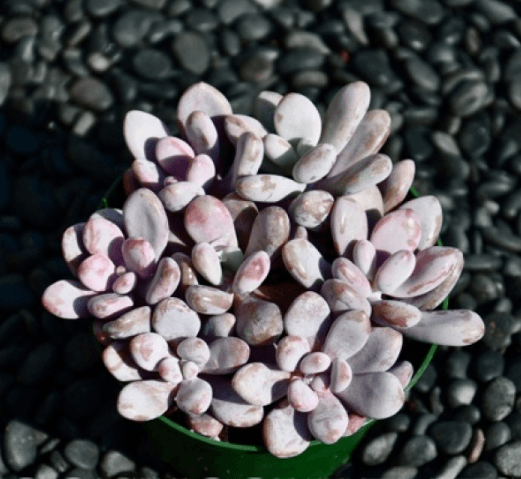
145 400
328 421
67 299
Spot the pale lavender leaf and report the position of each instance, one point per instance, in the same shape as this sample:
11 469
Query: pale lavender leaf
364 257
188 274
379 353
311 208
344 113
433 266
145 400
72 247
301 397
226 355
315 164
348 225
201 171
105 306
148 349
194 349
139 257
169 370
403 370
397 185
448 328
207 263
189 369
390 312
243 213
179 241
176 197
148 174
252 272
267 188
296 117
135 322
320 382
260 384
428 209
269 232
347 335
368 138
328 421
174 156
219 326
237 125
174 320
145 217
376 395
164 282
142 131
118 361
248 157
345 270
114 215
103 236
259 322
301 233
290 350
309 317
341 297
280 152
305 263
97 272
208 300
202 135
264 108
372 203
194 396
394 271
67 299
314 363
205 425
341 375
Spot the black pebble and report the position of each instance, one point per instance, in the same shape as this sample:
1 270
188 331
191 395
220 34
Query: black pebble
488 365
20 447
452 437
498 398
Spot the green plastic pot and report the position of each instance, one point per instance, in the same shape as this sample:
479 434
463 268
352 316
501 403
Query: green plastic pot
196 456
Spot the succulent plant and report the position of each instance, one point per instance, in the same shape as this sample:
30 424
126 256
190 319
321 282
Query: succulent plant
263 269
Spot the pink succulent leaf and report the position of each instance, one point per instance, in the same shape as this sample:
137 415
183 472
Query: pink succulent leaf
114 215
364 257
248 158
226 355
328 421
394 271
376 395
208 300
428 209
280 152
207 263
433 266
305 263
308 317
136 321
341 375
202 97
243 213
202 135
345 270
125 283
267 188
285 431
252 272
397 185
259 322
368 138
347 335
260 384
301 397
67 299
174 156
290 350
207 219
194 396
145 400
170 370
108 305
315 164
148 349
344 114
205 425
148 174
145 217
103 236
118 361
219 326
175 320
356 421
372 203
379 353
237 125
188 274
348 224
229 408
321 382
189 369
364 174
389 312
301 233
315 363
296 117
72 247
403 370
176 197
341 297
449 328
164 282
142 131
311 208
201 171
139 257
275 220
264 108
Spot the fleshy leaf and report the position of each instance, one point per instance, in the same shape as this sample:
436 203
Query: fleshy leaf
226 356
142 131
103 236
264 108
67 299
389 312
148 349
139 256
347 335
267 188
174 156
290 351
428 209
208 300
135 322
280 152
118 361
315 164
315 363
72 247
259 322
348 224
252 272
219 326
345 270
105 306
164 282
177 196
207 263
174 320
397 185
275 220
311 208
301 396
145 400
394 271
328 421
194 396
202 135
341 297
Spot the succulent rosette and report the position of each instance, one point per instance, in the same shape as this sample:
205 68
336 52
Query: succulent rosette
264 269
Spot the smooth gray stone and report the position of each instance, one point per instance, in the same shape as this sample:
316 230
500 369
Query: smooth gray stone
91 93
132 26
468 98
374 66
497 434
20 448
38 364
102 8
496 11
452 437
191 51
114 462
430 12
152 64
497 400
378 450
422 74
298 59
417 451
507 461
253 27
82 453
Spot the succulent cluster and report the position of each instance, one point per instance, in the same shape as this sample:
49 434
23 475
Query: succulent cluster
264 269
